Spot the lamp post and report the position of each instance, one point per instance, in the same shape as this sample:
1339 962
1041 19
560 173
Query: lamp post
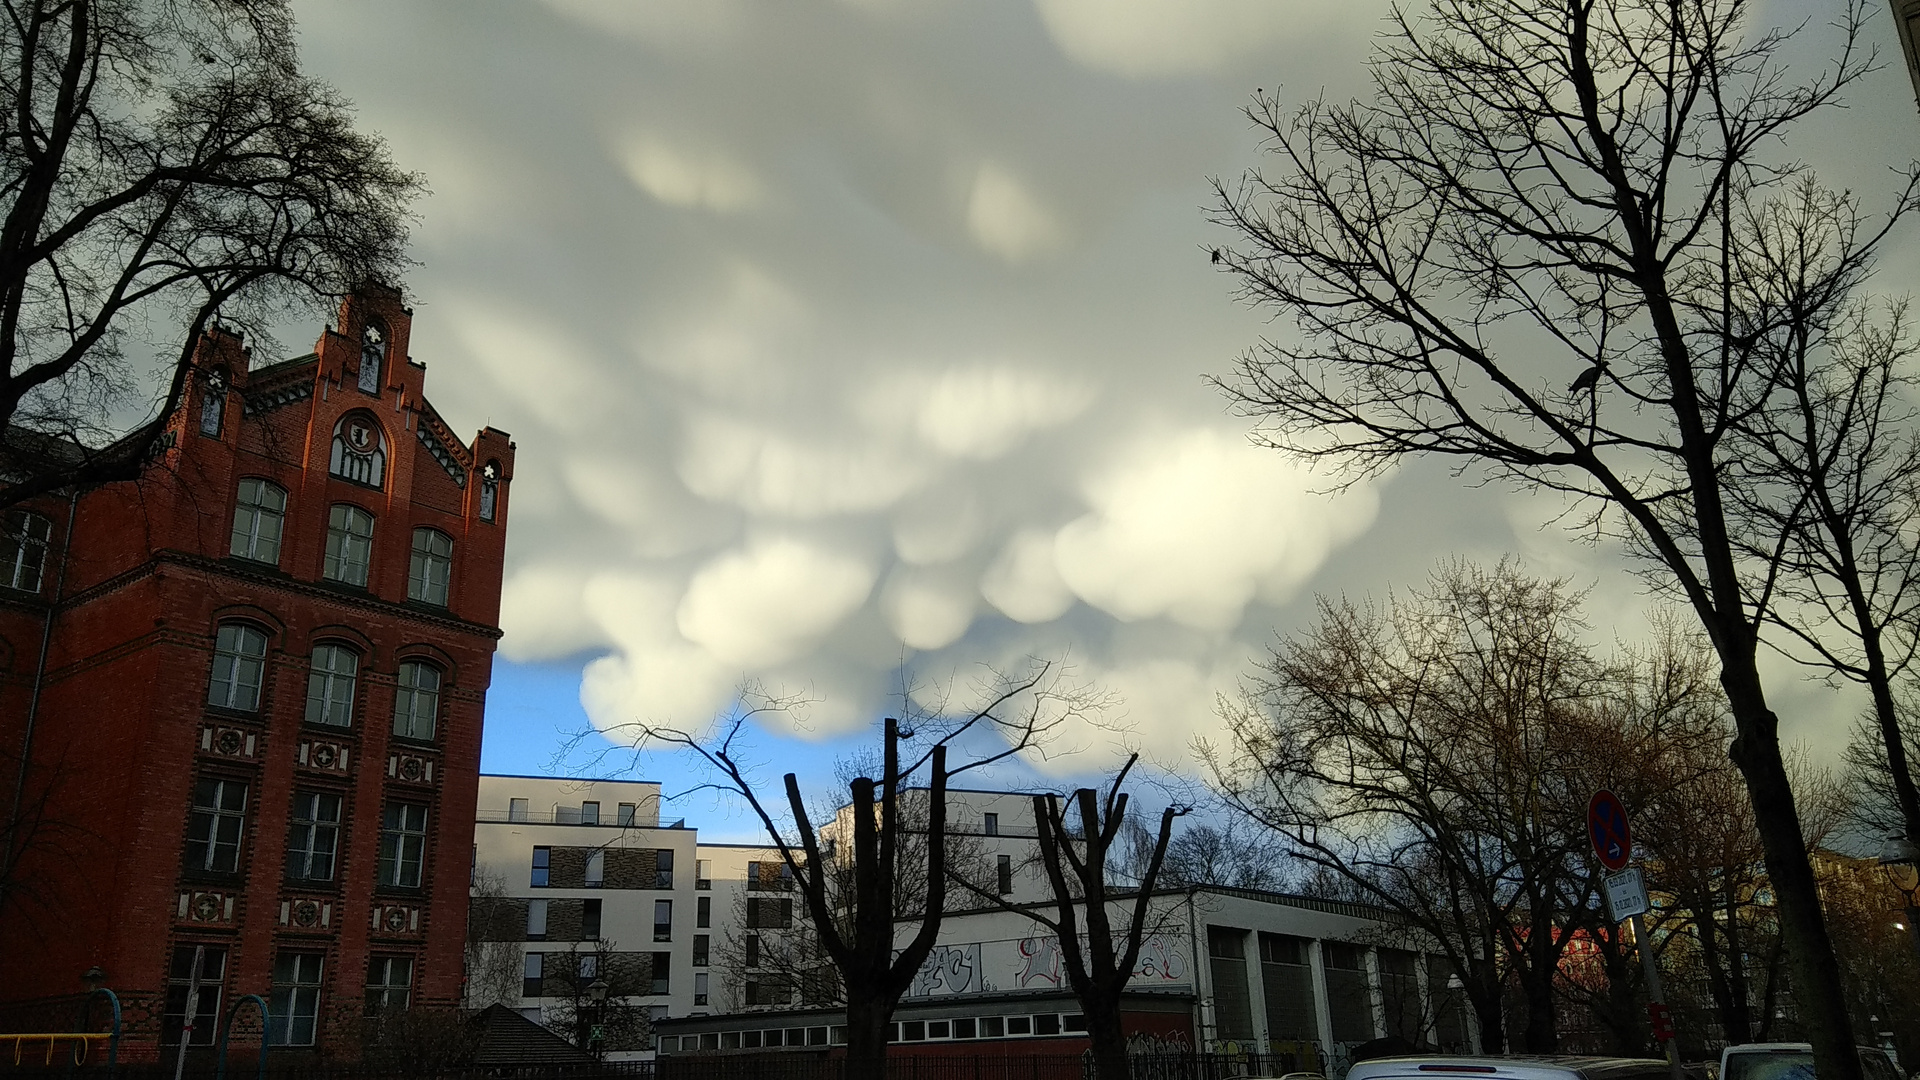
597 993
1901 861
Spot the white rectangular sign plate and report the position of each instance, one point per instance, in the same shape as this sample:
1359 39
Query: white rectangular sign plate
1626 894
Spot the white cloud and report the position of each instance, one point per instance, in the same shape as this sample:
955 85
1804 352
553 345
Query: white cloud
768 603
1194 525
1160 38
682 177
662 22
769 472
937 525
1007 220
926 610
540 608
1023 581
982 411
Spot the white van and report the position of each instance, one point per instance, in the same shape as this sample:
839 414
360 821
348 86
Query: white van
1518 1067
1793 1061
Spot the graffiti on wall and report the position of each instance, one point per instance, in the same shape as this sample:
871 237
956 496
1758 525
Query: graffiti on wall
949 969
1160 961
1039 962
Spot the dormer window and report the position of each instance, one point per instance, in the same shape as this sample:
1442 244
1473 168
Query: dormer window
359 451
373 352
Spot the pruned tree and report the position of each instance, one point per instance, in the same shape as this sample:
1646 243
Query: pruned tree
591 990
1525 253
1098 958
859 929
496 928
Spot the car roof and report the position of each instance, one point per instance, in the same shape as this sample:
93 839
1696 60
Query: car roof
1515 1067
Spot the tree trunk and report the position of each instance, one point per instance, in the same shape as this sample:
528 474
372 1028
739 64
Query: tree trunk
1543 1035
1487 1013
1109 1041
1819 994
867 1021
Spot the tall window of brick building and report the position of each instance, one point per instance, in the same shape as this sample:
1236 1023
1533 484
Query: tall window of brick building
663 868
313 835
215 824
180 984
403 845
416 704
536 920
703 911
663 920
259 519
489 489
213 402
532 974
589 920
389 984
373 350
430 573
349 545
542 866
295 1001
596 868
23 549
330 685
239 660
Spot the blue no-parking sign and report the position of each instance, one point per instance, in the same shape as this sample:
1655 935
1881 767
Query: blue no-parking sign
1607 828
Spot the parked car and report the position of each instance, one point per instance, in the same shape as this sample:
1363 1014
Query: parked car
1513 1067
1794 1061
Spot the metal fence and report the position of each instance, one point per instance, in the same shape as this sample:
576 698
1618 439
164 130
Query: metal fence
699 1067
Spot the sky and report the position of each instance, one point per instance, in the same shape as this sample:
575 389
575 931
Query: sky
844 340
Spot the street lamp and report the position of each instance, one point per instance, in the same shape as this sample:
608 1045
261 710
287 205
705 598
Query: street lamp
597 993
1901 861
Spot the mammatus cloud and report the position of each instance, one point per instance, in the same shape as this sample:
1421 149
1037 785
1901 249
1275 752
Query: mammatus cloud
1166 38
684 178
1007 220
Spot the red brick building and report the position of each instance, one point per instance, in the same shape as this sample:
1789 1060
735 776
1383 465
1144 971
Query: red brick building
257 729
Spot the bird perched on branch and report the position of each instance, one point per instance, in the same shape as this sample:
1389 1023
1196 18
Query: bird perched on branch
1589 378
1216 254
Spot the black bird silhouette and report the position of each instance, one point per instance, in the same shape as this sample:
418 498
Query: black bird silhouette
1589 378
1216 254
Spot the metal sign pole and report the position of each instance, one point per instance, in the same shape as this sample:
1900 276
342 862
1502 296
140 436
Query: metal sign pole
193 1006
1655 996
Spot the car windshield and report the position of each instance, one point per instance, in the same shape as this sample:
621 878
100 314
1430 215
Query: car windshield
1770 1065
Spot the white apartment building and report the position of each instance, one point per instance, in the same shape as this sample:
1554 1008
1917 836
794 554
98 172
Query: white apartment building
1222 968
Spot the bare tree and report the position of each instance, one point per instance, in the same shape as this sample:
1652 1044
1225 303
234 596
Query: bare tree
163 164
1232 851
858 928
496 927
1572 182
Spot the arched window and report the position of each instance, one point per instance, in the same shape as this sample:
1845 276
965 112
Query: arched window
416 704
239 661
373 353
489 489
431 570
330 685
213 402
349 544
23 549
259 514
359 451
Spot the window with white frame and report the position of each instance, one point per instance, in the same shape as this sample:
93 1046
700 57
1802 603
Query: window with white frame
183 984
313 836
389 984
23 549
330 685
259 520
349 545
239 661
416 704
294 1004
403 845
359 451
430 573
215 824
